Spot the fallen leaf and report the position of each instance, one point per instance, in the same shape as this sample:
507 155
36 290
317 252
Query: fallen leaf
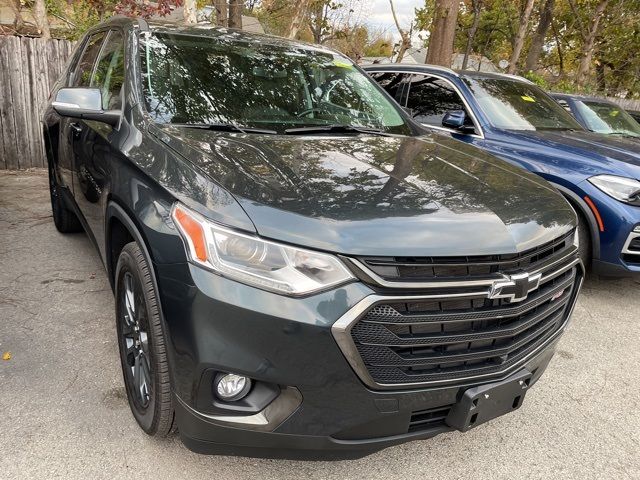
6 356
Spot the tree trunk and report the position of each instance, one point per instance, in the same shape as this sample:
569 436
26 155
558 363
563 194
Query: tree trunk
297 19
18 21
556 36
443 32
235 14
519 42
40 16
405 37
477 6
190 12
588 44
535 49
318 20
600 79
222 16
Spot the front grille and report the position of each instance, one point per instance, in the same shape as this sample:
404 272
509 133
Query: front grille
459 268
455 335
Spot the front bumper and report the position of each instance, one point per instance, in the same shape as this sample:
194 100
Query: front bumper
381 420
215 323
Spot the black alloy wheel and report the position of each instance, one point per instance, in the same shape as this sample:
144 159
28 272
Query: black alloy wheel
142 345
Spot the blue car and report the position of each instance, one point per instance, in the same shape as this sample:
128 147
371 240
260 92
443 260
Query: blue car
517 121
598 115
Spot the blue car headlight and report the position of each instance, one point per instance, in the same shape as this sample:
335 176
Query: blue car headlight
624 189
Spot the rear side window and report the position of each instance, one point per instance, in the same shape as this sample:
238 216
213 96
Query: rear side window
84 68
392 82
109 73
430 98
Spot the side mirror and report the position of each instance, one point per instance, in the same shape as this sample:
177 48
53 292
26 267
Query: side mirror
455 120
85 103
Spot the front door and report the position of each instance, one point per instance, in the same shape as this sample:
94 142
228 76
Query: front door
71 129
92 160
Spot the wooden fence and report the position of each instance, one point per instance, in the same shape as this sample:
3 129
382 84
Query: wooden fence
28 69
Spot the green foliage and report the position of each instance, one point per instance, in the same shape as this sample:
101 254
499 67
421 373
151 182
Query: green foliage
615 68
382 47
537 79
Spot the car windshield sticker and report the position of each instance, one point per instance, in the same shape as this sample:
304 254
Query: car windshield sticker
341 63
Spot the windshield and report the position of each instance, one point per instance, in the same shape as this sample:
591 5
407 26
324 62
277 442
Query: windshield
607 118
223 80
516 105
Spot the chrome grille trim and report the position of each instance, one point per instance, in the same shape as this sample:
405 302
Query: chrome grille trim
505 312
342 328
626 249
482 282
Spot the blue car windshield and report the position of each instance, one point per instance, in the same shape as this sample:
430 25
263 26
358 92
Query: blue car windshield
607 118
268 84
515 105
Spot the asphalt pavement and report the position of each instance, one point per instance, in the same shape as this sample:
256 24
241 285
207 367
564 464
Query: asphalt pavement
63 411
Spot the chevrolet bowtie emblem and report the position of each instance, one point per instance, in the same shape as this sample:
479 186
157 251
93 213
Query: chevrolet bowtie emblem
515 288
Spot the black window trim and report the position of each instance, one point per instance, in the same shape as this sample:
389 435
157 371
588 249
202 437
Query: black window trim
85 44
124 59
405 96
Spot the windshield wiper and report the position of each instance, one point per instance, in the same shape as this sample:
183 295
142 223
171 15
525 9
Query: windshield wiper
623 135
335 129
224 127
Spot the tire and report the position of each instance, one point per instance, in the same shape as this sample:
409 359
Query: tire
143 352
64 219
584 237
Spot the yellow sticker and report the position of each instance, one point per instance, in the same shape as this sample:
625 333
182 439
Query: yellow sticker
614 113
341 64
527 98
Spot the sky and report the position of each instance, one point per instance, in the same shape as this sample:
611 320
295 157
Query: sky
377 13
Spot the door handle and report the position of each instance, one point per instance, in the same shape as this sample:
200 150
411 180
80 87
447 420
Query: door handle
76 128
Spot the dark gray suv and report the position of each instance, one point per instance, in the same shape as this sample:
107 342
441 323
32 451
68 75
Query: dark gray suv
299 268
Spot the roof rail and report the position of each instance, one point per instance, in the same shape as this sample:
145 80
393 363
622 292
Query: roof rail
441 68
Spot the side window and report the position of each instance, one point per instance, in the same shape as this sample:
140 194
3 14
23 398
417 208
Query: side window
392 82
82 72
109 73
430 98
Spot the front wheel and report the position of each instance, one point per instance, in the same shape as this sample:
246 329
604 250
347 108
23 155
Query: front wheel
143 352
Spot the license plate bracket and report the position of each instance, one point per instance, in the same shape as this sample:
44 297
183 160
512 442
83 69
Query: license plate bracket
486 402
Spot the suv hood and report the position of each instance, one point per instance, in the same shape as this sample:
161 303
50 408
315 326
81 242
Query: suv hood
374 195
594 153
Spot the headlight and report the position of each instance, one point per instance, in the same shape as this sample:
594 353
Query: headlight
576 237
260 263
626 190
